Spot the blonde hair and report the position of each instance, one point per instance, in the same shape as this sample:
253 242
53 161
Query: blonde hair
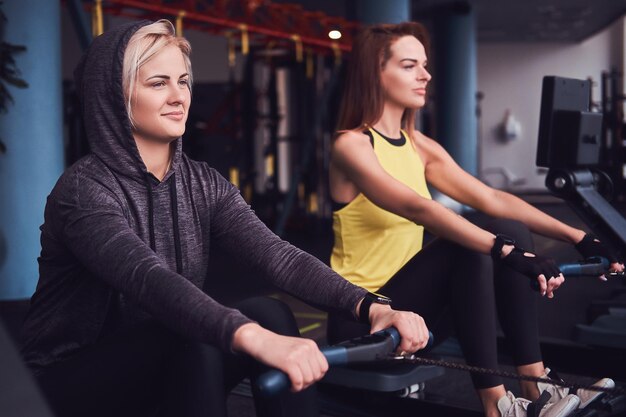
143 45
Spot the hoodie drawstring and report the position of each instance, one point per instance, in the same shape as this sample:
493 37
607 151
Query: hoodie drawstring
150 213
174 205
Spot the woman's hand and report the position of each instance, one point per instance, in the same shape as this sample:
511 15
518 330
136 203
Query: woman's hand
591 246
412 328
543 269
299 358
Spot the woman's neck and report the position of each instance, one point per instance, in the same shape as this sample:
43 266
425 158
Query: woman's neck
156 155
390 122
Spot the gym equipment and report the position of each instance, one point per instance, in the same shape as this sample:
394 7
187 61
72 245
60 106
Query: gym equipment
570 146
613 128
379 347
595 266
364 349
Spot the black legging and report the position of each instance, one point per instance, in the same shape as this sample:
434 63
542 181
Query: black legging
149 371
445 276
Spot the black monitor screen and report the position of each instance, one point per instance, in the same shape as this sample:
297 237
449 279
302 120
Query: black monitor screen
566 127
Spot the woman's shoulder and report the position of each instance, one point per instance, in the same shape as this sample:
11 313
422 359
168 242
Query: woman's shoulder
352 134
201 170
87 179
204 178
427 146
351 140
421 139
88 169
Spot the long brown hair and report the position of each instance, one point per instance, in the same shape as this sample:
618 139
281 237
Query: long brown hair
363 99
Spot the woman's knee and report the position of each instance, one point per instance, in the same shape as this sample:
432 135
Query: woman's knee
271 314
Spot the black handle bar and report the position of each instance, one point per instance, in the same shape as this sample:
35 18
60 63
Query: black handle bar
362 349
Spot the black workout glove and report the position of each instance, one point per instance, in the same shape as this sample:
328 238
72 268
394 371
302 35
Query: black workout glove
531 266
589 247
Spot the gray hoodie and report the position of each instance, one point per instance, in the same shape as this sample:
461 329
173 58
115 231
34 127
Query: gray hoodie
119 246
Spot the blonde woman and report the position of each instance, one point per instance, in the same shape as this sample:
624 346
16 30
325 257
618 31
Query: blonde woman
119 324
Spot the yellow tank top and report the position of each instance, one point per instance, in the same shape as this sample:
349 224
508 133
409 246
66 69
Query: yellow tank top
372 244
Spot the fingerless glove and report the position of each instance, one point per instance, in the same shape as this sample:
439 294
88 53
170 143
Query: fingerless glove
589 247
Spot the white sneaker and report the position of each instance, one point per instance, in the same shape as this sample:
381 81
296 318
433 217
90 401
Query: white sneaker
586 396
509 406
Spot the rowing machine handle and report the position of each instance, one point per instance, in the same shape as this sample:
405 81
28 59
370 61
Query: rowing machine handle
275 381
594 266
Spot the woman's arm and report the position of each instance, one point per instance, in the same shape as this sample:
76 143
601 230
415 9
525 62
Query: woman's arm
239 231
92 225
353 156
449 178
235 228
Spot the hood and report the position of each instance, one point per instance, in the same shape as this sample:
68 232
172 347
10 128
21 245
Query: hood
98 79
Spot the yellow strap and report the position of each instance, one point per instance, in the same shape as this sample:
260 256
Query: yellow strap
234 176
298 40
337 52
247 193
245 41
97 27
179 22
269 165
313 206
310 327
